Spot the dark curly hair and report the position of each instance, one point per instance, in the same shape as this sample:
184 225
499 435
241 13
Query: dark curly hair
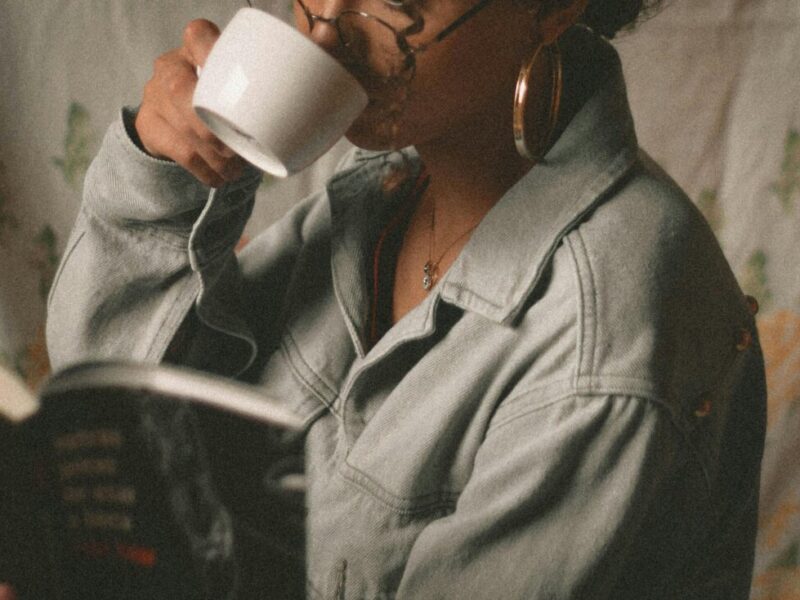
607 17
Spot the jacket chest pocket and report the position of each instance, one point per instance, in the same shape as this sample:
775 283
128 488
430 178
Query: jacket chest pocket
415 453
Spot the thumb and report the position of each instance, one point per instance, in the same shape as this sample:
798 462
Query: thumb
199 37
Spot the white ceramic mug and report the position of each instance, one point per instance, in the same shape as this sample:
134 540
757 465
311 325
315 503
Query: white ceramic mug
274 96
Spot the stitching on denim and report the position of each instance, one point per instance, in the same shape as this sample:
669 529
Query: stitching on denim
408 505
349 319
661 405
425 330
593 388
592 385
64 261
619 384
216 248
174 318
594 297
521 395
581 342
205 315
466 297
290 351
532 409
341 580
591 195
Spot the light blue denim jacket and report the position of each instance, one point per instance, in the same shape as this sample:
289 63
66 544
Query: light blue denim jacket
575 411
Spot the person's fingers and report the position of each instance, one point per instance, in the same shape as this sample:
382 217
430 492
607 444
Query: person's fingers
182 149
169 128
199 37
167 124
171 84
172 78
228 166
192 120
185 124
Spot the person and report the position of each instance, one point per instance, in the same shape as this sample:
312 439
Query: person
524 366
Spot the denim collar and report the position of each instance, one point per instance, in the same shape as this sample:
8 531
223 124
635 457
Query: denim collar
507 254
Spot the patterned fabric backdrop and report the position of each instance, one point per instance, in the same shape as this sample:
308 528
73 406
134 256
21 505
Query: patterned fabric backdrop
714 86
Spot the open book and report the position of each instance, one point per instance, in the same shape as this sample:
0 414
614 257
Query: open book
137 481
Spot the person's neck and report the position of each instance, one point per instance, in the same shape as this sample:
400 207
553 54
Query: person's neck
470 171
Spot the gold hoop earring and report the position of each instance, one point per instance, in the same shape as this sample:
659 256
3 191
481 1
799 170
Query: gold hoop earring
521 139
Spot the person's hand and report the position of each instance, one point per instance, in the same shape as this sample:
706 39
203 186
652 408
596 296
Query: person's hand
7 592
167 125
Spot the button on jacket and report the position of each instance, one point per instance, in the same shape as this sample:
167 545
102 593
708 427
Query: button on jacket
569 414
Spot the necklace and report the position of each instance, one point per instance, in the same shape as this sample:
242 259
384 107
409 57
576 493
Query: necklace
430 271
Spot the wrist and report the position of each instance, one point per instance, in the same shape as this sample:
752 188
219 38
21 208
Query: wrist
132 128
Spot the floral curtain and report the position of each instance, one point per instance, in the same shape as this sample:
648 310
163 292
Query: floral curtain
714 87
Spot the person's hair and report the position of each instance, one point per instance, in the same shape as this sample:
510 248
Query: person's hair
607 17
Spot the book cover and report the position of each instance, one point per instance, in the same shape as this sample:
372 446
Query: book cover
139 481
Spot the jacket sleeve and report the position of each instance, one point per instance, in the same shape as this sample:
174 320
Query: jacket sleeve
149 242
561 497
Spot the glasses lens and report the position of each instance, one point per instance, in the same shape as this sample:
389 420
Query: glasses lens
371 45
370 42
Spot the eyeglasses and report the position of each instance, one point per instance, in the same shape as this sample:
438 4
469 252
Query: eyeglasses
375 45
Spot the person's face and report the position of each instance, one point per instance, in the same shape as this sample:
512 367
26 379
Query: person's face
465 79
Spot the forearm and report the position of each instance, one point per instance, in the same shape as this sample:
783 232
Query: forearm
149 240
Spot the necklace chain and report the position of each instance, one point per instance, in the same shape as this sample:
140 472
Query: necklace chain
430 271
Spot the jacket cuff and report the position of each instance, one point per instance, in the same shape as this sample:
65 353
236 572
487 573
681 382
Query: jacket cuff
125 184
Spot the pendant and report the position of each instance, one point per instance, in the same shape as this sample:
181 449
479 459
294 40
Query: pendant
427 280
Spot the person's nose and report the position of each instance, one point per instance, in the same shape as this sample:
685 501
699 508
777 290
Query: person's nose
324 34
326 37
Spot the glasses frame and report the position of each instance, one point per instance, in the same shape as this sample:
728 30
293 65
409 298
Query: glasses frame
408 50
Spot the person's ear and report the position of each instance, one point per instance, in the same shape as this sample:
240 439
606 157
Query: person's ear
555 21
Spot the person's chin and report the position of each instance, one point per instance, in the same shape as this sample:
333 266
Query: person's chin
369 134
367 142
